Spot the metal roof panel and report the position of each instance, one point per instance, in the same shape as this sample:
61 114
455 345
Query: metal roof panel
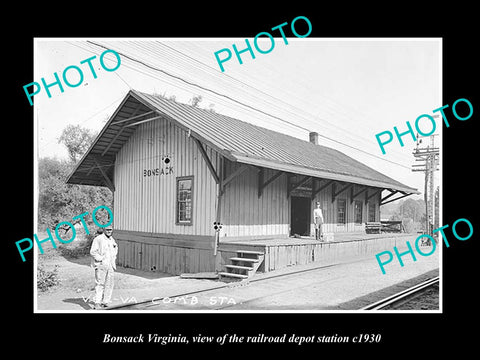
250 144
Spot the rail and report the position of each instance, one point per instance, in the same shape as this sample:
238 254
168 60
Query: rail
403 295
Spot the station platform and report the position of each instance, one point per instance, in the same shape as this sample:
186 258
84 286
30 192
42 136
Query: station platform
289 251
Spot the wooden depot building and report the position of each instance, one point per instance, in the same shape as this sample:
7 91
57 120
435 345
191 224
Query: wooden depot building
177 171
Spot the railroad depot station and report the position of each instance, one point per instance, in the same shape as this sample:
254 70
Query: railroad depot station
177 172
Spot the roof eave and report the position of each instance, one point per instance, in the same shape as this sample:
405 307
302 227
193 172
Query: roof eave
100 134
295 169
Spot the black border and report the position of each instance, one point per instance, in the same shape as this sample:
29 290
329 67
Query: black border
408 334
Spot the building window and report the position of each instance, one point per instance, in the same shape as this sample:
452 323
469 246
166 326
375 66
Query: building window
341 211
371 212
184 200
358 212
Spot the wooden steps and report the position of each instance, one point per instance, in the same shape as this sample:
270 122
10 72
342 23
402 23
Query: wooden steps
242 266
240 259
224 275
251 252
238 267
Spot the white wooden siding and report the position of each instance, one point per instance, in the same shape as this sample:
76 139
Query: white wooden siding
147 203
245 214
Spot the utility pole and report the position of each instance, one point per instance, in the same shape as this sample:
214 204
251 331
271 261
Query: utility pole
428 157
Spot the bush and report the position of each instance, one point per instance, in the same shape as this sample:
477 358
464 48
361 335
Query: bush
47 279
79 249
409 225
59 201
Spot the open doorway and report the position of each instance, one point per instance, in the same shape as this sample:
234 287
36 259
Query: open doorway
300 216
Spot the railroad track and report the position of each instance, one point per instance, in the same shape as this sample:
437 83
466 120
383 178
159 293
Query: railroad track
397 298
403 296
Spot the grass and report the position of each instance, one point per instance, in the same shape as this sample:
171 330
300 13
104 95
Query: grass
47 266
47 279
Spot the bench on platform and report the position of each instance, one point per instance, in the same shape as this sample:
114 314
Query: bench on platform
392 226
373 227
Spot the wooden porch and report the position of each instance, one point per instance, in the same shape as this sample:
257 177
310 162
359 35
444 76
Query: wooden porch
289 251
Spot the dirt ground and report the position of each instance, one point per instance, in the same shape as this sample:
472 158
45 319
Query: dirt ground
75 286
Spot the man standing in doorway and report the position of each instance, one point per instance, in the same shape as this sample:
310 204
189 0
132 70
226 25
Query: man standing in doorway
318 221
104 255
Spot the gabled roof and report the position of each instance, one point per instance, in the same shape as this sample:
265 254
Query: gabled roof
235 139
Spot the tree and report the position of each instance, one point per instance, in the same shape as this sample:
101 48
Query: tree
59 201
412 209
196 100
211 108
411 213
77 140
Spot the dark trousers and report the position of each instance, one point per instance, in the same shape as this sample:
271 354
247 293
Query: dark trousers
318 231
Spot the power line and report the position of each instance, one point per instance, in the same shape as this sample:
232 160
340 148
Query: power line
428 156
134 67
259 90
125 82
84 121
203 88
189 62
273 97
335 110
190 83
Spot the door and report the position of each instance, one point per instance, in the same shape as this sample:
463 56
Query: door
300 216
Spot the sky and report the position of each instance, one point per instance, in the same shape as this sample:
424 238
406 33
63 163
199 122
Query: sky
347 90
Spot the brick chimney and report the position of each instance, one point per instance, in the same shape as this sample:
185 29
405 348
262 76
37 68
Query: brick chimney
314 138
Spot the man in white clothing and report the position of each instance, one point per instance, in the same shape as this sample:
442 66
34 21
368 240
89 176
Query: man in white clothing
318 221
104 255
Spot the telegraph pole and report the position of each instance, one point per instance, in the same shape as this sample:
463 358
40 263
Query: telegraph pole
428 162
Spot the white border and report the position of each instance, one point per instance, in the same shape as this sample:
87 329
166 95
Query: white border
35 190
